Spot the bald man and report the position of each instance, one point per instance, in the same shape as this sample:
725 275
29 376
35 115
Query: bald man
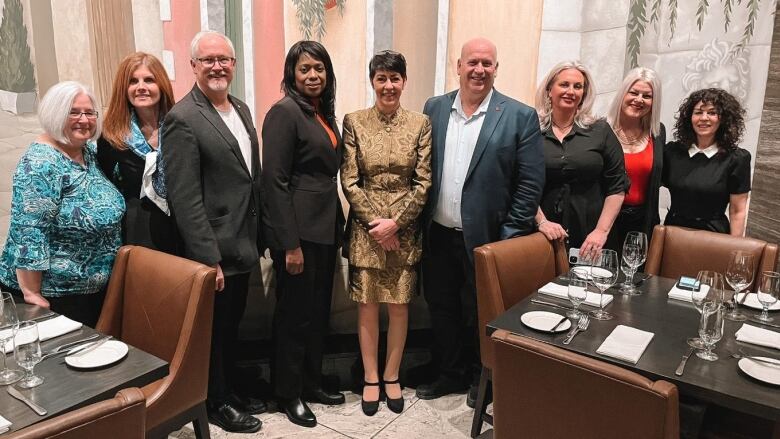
488 175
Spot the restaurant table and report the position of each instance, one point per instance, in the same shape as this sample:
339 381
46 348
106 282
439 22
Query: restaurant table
66 388
720 382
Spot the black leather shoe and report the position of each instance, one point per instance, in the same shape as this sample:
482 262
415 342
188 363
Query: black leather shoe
471 398
298 412
369 407
323 397
437 389
249 405
231 419
396 405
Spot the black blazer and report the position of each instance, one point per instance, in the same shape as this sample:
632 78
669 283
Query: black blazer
505 176
300 166
211 193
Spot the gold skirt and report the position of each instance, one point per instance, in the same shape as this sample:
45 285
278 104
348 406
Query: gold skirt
388 285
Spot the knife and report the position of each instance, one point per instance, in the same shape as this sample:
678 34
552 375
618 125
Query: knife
18 395
755 320
563 319
81 350
684 360
554 305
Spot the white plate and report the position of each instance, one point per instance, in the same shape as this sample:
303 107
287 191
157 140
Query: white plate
752 302
544 321
105 354
760 370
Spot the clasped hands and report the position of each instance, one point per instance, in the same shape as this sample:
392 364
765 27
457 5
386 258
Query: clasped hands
591 247
385 232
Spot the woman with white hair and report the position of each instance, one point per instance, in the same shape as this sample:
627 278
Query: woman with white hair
586 178
635 116
65 226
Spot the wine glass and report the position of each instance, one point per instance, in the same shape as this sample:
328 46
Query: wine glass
9 323
603 274
710 291
28 353
710 329
768 292
739 275
577 290
634 255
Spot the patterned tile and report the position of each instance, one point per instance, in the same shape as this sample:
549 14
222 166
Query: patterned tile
350 420
447 417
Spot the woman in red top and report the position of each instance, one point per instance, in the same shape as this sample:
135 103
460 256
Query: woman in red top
635 117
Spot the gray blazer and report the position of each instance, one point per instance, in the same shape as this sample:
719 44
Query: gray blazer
506 174
211 192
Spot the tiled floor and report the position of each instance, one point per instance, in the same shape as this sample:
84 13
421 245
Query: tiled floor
446 417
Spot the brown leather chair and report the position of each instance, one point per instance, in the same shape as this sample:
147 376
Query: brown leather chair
679 251
123 417
542 391
164 305
506 273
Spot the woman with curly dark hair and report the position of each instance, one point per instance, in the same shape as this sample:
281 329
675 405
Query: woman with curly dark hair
705 169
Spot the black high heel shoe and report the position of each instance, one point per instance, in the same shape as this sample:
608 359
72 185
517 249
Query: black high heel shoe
369 407
396 405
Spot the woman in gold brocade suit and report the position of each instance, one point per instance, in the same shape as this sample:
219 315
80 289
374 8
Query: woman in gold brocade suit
385 175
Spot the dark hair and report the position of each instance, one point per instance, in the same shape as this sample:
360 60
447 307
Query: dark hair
389 61
328 96
731 113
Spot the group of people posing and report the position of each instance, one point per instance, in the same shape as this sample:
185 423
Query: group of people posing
424 190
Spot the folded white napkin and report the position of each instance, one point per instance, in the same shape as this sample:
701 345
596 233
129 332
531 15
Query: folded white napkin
758 336
685 295
625 343
51 328
752 302
5 425
562 292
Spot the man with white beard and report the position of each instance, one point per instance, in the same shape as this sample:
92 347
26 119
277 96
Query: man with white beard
212 166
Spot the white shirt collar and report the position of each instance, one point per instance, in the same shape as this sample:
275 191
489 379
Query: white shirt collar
457 105
709 151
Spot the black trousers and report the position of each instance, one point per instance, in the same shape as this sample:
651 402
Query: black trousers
448 279
301 319
229 305
84 308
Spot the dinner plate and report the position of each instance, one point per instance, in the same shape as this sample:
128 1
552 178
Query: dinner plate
760 370
105 354
544 321
752 302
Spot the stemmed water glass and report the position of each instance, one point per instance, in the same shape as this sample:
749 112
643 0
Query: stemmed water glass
710 329
634 255
768 292
710 291
739 275
603 274
9 323
28 353
577 290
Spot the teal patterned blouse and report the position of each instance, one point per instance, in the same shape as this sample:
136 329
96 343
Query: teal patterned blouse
65 222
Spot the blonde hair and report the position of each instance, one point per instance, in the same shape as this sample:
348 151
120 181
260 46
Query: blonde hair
652 120
583 117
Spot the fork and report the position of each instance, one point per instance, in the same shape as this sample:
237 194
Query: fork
65 347
582 325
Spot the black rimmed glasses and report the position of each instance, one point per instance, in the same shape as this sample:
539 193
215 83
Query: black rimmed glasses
209 62
76 115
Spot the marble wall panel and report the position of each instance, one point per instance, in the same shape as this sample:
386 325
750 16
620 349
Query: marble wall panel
603 51
554 47
562 15
604 14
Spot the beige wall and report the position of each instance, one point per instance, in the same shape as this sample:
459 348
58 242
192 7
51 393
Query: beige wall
69 19
514 26
147 27
414 35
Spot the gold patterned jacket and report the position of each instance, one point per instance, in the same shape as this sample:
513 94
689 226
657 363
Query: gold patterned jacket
385 173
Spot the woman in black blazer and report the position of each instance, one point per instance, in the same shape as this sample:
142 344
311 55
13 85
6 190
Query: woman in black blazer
302 224
635 116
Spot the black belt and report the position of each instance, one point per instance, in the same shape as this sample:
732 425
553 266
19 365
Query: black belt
449 229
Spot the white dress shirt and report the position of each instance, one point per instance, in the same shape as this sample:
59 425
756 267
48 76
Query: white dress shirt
236 126
462 134
708 151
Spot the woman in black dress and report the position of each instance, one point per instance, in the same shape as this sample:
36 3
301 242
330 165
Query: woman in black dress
128 151
705 169
586 178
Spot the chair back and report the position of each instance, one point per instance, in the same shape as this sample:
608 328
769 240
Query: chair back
163 305
542 391
510 270
122 417
679 251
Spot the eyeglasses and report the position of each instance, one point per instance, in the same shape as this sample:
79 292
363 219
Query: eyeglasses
209 62
76 115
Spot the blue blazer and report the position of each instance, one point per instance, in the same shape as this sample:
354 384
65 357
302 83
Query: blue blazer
505 177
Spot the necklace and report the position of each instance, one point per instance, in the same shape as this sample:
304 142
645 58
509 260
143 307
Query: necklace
563 128
632 144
